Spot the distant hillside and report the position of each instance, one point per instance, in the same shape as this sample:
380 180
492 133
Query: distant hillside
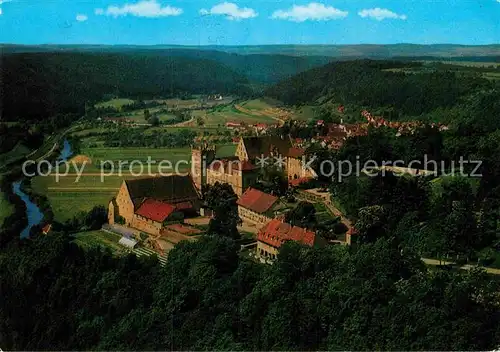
371 50
36 85
337 51
408 88
259 68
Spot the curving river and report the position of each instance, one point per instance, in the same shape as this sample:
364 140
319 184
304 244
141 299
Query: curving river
33 213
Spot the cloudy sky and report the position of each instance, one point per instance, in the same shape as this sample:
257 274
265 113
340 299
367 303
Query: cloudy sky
250 22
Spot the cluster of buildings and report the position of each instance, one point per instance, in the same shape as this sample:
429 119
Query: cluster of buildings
153 205
337 134
241 171
401 127
258 128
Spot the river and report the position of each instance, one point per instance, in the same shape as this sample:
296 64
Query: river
33 213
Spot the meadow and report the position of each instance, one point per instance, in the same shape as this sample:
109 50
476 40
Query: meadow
114 103
70 195
15 154
6 208
99 239
250 112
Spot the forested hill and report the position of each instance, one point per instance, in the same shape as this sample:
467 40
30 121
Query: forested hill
36 85
408 88
258 68
336 51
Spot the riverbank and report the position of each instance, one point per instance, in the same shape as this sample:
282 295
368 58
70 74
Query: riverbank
37 207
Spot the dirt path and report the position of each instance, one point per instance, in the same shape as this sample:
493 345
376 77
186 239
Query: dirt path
436 262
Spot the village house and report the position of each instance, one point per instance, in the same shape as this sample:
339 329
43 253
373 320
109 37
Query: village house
275 233
147 204
255 207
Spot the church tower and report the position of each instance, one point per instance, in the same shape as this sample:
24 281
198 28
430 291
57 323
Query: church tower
201 157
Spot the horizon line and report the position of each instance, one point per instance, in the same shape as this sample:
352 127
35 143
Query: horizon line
247 45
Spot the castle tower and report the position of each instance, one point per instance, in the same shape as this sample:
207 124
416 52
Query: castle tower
201 157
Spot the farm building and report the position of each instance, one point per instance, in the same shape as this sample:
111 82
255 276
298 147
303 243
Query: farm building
275 233
255 206
146 204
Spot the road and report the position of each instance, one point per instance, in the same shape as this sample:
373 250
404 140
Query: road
436 262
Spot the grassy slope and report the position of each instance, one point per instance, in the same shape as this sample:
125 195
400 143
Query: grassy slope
6 208
101 239
114 103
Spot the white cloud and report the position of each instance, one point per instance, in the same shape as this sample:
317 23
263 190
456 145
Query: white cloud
81 17
381 14
313 11
231 11
144 8
3 2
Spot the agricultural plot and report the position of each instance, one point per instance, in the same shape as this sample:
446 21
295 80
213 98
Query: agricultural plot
69 195
231 114
138 115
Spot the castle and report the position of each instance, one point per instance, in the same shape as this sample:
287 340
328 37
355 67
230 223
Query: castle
241 171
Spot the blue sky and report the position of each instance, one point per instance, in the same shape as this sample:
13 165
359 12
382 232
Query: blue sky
191 22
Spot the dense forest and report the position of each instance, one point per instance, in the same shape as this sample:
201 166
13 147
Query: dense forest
56 296
374 295
40 85
381 84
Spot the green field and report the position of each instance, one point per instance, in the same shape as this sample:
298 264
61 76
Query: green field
306 113
68 195
226 150
226 114
114 103
6 208
492 75
260 104
93 239
17 153
138 115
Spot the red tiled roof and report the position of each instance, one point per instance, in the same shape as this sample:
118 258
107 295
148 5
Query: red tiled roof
296 152
46 229
299 181
155 210
275 233
256 200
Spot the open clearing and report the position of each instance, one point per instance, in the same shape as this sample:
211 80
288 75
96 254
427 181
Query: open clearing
6 208
114 103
